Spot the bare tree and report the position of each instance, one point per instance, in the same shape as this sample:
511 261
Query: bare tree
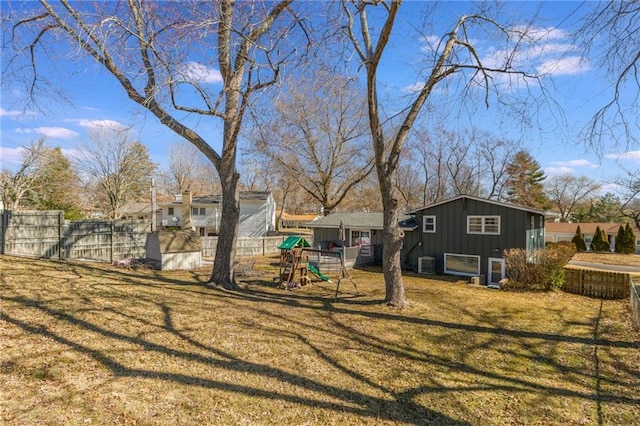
567 191
115 170
441 164
612 32
456 55
316 134
629 187
148 47
15 185
188 170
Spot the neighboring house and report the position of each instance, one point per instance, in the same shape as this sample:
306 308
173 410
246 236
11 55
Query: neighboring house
558 231
362 230
467 236
257 214
136 211
296 220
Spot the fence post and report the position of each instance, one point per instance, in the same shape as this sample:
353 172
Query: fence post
60 233
4 220
113 230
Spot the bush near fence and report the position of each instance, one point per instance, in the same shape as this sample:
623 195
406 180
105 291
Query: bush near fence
602 284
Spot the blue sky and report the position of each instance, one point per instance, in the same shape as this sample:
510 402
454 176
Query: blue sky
578 87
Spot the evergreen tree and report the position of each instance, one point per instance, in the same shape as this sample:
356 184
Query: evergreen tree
578 240
524 182
600 241
630 239
605 246
56 185
621 240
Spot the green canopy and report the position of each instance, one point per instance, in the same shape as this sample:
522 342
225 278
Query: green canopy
292 242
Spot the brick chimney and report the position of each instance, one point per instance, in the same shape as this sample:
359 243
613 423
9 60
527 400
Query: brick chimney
186 211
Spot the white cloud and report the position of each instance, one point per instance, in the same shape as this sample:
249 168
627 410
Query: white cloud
414 88
575 163
564 66
11 155
631 156
71 153
198 73
430 43
533 34
14 113
50 132
554 171
99 124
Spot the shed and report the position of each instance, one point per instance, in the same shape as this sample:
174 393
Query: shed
294 242
174 250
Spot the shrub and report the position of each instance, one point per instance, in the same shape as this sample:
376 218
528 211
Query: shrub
543 270
626 240
631 239
578 240
600 241
620 240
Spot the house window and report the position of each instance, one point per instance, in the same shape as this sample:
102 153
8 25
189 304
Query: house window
170 211
361 239
429 224
461 264
541 226
483 225
195 211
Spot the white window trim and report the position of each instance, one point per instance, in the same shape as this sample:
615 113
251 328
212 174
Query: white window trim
424 224
483 231
198 211
465 274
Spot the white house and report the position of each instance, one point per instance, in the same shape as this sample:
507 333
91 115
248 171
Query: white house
257 213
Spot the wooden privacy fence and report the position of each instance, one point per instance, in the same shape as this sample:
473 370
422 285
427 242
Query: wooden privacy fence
603 284
46 234
635 299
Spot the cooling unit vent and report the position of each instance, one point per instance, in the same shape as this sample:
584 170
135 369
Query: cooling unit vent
427 265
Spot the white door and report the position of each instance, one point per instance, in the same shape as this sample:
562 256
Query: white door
496 270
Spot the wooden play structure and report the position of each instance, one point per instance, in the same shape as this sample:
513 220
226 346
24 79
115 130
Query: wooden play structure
298 259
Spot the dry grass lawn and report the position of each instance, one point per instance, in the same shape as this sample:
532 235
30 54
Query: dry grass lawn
609 258
86 343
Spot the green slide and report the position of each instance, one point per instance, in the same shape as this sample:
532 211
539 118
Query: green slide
318 274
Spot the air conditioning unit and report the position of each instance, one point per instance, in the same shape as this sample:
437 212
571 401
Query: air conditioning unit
427 265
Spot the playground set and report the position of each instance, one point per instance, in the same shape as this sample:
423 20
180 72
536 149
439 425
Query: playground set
295 264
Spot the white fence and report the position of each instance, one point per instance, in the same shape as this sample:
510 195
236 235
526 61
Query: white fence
246 246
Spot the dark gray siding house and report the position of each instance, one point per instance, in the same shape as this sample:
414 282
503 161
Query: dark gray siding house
361 235
467 235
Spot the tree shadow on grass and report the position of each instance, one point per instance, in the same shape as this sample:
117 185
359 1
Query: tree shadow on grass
400 406
403 410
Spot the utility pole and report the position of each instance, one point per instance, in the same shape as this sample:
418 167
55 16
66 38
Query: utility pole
154 205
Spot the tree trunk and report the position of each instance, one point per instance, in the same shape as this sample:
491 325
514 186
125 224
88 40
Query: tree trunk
223 264
392 237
